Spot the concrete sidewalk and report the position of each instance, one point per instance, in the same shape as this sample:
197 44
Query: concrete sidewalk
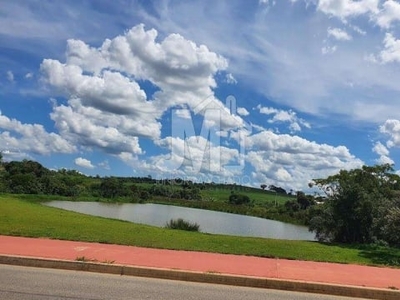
208 263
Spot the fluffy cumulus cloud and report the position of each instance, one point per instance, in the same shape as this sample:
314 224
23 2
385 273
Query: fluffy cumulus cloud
93 128
84 163
383 153
106 107
389 14
242 111
182 70
17 138
292 161
392 129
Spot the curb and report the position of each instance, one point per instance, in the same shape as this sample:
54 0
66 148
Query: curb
214 278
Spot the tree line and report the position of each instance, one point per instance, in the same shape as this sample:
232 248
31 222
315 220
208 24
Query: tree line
30 177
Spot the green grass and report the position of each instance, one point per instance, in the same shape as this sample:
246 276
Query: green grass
31 219
259 197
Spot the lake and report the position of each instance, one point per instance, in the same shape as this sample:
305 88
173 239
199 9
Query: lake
210 221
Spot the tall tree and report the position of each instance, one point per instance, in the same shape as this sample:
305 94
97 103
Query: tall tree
357 203
3 185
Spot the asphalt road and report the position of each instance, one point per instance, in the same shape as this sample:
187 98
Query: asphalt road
25 283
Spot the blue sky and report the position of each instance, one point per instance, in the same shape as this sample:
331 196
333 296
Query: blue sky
275 92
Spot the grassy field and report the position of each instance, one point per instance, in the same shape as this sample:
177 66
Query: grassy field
221 193
259 197
29 218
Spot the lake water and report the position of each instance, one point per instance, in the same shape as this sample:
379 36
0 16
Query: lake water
209 221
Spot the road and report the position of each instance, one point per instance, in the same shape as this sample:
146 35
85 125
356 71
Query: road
25 283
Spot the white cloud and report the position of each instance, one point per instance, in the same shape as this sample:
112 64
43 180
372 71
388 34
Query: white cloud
183 113
230 79
28 75
90 127
339 34
328 49
389 14
383 159
347 8
392 129
16 137
267 2
391 53
216 114
84 163
10 76
266 110
105 165
291 161
296 76
242 111
174 63
283 116
195 156
358 29
107 108
380 149
110 92
382 13
383 153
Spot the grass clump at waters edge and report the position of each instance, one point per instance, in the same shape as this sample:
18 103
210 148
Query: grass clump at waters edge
27 218
181 224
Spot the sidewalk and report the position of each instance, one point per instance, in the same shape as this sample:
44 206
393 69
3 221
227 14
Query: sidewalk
341 274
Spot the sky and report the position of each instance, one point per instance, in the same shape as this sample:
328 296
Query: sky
246 91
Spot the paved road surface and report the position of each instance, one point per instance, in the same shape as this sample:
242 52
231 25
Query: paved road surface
24 283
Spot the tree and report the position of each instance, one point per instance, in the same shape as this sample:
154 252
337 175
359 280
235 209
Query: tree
277 189
303 200
3 185
357 203
263 186
390 229
111 187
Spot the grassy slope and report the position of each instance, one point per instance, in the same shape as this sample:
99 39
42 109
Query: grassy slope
259 196
23 218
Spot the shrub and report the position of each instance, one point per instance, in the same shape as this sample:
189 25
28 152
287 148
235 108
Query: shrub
239 199
181 224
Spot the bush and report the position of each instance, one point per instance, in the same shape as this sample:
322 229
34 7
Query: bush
181 224
239 199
